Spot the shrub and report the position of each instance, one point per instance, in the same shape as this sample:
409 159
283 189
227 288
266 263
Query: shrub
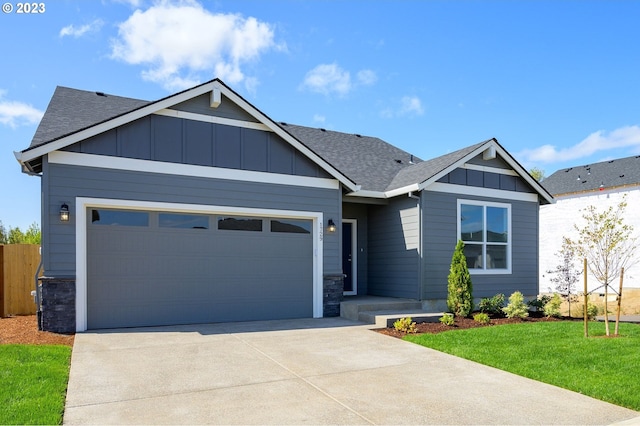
447 319
492 305
552 307
539 303
459 297
592 311
405 325
482 318
516 307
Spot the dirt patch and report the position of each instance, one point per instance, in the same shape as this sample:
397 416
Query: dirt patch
24 330
464 323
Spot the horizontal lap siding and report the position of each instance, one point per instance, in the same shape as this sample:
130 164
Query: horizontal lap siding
440 229
63 183
393 241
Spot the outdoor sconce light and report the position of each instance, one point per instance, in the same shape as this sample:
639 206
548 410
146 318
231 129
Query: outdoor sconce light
331 227
64 213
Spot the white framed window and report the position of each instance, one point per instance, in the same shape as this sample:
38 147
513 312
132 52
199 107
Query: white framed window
485 229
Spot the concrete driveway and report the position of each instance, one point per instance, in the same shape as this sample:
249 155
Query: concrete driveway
315 371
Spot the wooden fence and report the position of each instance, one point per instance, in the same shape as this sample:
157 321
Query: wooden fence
18 266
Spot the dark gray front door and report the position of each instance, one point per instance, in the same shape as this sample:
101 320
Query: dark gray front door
161 268
348 258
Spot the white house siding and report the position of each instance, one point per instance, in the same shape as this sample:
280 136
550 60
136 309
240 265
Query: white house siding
557 220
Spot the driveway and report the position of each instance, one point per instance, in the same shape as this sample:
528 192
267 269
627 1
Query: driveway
312 371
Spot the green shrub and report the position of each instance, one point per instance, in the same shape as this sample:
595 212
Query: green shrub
482 318
592 311
552 307
405 325
447 319
459 296
516 307
492 305
539 303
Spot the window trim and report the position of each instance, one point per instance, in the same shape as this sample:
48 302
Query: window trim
509 244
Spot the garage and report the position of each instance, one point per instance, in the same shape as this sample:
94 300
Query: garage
157 267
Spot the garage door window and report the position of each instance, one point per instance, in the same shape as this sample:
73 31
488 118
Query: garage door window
291 226
183 221
119 217
239 224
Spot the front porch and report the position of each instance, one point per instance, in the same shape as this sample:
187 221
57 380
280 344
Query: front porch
384 311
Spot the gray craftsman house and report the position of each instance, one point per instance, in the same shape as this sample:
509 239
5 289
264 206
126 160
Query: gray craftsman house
200 208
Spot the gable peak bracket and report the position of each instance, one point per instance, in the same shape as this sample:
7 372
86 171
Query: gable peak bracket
216 98
489 153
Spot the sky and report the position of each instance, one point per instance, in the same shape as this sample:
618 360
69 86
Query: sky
556 82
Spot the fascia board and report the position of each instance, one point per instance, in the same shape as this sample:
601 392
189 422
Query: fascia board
30 154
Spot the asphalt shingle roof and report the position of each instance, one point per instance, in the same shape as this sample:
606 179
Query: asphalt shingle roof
72 110
368 161
591 177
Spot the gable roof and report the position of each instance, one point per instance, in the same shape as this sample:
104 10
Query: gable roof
366 166
595 177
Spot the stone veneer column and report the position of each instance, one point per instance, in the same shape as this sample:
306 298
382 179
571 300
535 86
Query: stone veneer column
333 287
58 304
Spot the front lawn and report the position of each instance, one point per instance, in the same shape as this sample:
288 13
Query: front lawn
33 383
556 353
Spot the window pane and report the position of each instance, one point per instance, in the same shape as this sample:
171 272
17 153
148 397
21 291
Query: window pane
183 221
473 253
497 225
291 226
471 223
496 257
119 217
240 224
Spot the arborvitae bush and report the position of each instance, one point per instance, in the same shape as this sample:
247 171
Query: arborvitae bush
459 297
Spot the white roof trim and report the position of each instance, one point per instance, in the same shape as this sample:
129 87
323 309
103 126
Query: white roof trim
212 119
177 169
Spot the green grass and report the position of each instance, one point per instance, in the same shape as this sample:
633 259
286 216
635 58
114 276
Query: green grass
556 353
33 383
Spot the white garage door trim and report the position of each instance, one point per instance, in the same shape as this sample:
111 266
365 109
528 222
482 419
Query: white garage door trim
83 203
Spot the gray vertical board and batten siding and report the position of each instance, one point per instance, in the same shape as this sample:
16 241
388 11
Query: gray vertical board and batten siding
393 243
177 140
440 238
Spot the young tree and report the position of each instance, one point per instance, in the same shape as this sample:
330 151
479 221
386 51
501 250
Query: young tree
607 243
566 275
537 174
459 297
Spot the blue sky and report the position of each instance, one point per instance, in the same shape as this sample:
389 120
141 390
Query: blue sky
556 82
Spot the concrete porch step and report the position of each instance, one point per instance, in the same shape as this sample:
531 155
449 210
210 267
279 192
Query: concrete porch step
387 318
384 311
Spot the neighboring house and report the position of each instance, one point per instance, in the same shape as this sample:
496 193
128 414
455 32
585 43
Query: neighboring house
200 208
602 185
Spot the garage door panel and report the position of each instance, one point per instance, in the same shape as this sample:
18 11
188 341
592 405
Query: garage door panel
140 276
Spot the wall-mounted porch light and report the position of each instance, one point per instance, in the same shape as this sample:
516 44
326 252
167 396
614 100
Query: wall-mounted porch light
331 227
64 213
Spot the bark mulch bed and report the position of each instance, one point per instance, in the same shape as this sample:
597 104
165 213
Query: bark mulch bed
23 330
462 323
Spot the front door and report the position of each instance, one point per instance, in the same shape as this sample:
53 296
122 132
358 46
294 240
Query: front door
349 257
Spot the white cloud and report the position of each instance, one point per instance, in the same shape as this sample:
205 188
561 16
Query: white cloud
411 105
179 41
407 106
14 113
327 79
72 31
331 78
319 118
367 77
623 137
